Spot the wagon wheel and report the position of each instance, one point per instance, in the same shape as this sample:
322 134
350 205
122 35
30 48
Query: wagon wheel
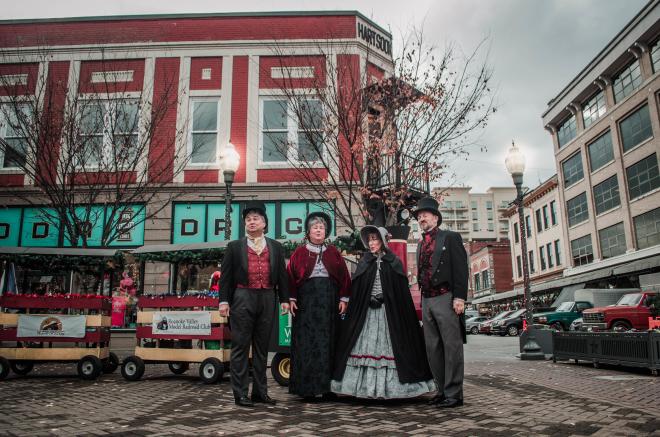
178 368
22 367
132 368
4 367
111 363
211 370
280 367
90 367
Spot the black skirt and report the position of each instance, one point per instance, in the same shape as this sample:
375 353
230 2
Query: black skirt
313 338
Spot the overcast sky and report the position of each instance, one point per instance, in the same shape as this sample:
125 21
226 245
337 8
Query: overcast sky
536 48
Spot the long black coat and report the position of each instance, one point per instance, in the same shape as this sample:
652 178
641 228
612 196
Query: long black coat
404 329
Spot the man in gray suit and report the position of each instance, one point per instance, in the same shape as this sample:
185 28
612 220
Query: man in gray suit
442 272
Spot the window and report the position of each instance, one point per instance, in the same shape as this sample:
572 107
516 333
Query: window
203 147
489 215
600 151
476 282
647 229
612 241
542 257
475 227
655 56
627 81
593 109
519 265
14 127
566 131
516 233
528 226
576 209
473 204
108 133
553 212
557 252
475 215
491 226
539 223
643 176
489 204
636 128
283 138
572 168
485 279
582 251
531 261
548 249
545 217
606 195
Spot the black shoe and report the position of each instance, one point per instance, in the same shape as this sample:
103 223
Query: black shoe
328 397
437 399
451 403
244 401
265 399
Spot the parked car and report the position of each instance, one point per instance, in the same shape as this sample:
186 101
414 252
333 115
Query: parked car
563 316
631 311
485 327
472 324
576 325
510 325
471 313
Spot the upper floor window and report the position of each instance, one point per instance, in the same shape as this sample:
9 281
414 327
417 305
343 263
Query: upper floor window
14 127
606 195
539 223
528 226
203 144
655 56
545 217
519 265
485 279
576 209
582 250
291 131
600 151
593 109
558 252
636 128
473 204
647 229
627 81
553 212
572 168
566 131
108 136
516 233
643 176
612 241
489 204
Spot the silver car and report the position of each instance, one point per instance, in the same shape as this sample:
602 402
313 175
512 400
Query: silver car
472 324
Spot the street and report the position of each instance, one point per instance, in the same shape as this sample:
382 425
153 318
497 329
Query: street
503 396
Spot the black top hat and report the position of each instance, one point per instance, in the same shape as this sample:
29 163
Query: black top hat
255 206
324 216
428 204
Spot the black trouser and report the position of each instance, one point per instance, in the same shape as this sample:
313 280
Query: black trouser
251 319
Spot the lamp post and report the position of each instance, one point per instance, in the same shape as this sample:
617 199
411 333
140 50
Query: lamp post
515 164
229 161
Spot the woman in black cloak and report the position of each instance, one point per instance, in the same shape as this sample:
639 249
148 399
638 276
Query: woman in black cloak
380 352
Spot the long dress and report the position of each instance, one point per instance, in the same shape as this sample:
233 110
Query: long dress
314 325
371 370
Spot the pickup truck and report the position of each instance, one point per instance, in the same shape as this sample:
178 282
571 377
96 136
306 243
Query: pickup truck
631 311
561 318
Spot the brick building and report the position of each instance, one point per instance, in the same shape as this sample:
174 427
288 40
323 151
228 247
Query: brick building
490 269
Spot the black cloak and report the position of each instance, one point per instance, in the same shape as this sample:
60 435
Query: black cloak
405 331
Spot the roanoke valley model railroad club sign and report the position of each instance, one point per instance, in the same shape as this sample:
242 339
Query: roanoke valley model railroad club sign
50 325
182 323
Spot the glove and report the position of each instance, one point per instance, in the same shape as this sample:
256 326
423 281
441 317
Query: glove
376 301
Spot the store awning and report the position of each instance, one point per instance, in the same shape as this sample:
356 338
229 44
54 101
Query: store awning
63 251
157 248
498 296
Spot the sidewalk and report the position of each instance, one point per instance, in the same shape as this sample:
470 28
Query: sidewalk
503 396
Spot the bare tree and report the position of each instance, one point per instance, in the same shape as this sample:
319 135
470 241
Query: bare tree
372 142
88 156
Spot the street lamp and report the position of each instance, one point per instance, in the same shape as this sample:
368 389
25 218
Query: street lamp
515 164
229 161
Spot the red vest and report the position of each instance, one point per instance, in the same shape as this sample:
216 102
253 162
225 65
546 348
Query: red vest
258 269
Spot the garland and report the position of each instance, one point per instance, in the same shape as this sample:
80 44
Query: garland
65 262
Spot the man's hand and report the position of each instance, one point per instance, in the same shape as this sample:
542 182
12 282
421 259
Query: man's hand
224 310
284 307
459 306
293 307
342 307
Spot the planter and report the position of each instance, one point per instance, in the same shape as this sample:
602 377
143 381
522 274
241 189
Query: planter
543 338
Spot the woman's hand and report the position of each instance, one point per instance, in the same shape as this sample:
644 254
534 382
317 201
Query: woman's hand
293 307
342 307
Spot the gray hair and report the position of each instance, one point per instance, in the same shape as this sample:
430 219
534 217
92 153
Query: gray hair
316 219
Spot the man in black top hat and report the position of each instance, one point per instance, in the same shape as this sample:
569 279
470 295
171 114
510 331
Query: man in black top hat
442 272
253 274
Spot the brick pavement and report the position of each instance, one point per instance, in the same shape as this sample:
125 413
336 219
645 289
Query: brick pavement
504 397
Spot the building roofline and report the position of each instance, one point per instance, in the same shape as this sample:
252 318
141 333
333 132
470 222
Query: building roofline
647 9
198 15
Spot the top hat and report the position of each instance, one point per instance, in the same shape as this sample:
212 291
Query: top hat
255 206
324 216
428 204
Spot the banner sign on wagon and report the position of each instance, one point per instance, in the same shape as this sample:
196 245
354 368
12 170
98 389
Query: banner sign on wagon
182 322
51 325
